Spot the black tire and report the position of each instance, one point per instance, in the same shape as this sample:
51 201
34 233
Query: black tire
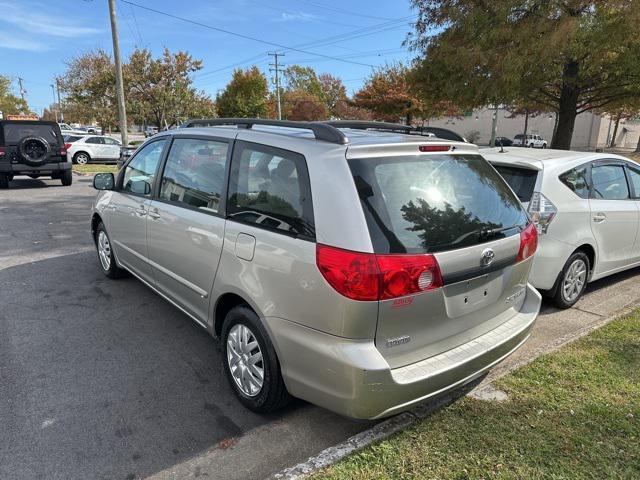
4 181
544 145
273 394
67 178
559 298
112 270
81 158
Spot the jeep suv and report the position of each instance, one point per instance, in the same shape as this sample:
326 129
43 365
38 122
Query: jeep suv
363 271
33 148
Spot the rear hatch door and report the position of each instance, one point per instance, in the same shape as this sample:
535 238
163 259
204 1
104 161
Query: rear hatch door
457 208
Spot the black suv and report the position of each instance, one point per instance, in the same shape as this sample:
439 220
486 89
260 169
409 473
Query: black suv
32 148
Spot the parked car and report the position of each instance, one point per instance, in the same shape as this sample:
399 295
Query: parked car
504 141
67 129
93 148
150 131
585 207
33 148
363 271
530 141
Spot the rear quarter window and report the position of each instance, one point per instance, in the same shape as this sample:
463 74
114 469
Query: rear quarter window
432 203
577 180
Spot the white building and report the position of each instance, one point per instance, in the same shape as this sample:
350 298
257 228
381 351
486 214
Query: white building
591 131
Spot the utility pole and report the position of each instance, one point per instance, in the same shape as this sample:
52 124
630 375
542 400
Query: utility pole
22 90
122 112
494 126
277 69
53 90
59 101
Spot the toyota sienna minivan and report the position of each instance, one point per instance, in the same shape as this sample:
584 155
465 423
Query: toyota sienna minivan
362 270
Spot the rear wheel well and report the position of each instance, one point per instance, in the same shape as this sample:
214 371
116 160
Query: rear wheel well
223 306
590 253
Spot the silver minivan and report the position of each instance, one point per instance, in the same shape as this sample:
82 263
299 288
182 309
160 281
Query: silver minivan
361 270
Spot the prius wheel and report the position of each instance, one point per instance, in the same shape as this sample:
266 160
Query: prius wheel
105 254
250 362
572 281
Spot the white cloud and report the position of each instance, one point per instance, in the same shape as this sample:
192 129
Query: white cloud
16 42
42 24
298 17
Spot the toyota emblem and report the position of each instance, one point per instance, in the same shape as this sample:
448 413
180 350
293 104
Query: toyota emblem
487 257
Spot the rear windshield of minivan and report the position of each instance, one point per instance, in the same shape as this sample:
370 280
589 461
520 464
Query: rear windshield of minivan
521 180
427 204
14 132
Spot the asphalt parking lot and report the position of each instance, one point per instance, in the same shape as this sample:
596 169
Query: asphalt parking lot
104 379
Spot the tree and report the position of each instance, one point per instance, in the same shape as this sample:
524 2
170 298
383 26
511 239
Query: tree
302 105
303 79
89 83
245 95
334 93
161 89
388 94
570 55
9 103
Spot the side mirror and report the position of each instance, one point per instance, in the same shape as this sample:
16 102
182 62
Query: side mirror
104 181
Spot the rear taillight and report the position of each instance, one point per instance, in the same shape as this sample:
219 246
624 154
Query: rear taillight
63 151
367 276
3 151
528 242
67 146
542 211
434 148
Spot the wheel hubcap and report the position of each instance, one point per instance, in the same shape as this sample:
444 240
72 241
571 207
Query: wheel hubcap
244 358
104 250
574 280
81 159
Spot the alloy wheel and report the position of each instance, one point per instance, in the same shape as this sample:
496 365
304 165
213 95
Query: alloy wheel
104 250
244 359
574 280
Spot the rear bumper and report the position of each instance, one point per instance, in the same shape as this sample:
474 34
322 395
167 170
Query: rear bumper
352 378
44 169
549 261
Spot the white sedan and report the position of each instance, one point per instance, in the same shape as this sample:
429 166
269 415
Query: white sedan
586 207
92 148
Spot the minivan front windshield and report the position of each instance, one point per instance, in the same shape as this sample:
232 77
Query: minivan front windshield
427 204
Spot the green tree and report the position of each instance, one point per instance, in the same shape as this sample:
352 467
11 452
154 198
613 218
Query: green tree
9 103
245 95
570 55
303 79
90 86
160 89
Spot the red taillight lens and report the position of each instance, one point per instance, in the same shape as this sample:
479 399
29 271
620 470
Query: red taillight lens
354 275
407 274
3 151
366 276
67 146
434 148
528 242
63 151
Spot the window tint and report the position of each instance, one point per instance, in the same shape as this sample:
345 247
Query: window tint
194 173
110 141
521 180
432 203
634 175
15 132
270 187
609 182
577 180
140 171
71 138
94 140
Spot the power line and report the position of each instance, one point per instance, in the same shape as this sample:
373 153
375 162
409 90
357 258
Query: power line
241 35
341 10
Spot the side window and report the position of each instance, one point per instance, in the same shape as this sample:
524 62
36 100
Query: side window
577 180
194 173
110 141
609 182
140 171
634 174
270 187
94 140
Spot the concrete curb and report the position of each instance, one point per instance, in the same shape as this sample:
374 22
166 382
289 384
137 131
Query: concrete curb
385 429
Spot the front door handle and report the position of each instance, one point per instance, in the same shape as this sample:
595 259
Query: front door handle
154 213
599 217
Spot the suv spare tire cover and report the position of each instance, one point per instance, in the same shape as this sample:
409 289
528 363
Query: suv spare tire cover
34 150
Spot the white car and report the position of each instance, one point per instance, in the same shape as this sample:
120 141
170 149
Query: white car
67 129
531 141
92 148
586 207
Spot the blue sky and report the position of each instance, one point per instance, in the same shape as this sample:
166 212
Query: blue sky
37 37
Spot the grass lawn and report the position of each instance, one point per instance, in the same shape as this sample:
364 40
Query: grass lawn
572 414
91 168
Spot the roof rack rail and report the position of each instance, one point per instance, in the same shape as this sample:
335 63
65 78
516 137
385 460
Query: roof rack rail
321 131
370 125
